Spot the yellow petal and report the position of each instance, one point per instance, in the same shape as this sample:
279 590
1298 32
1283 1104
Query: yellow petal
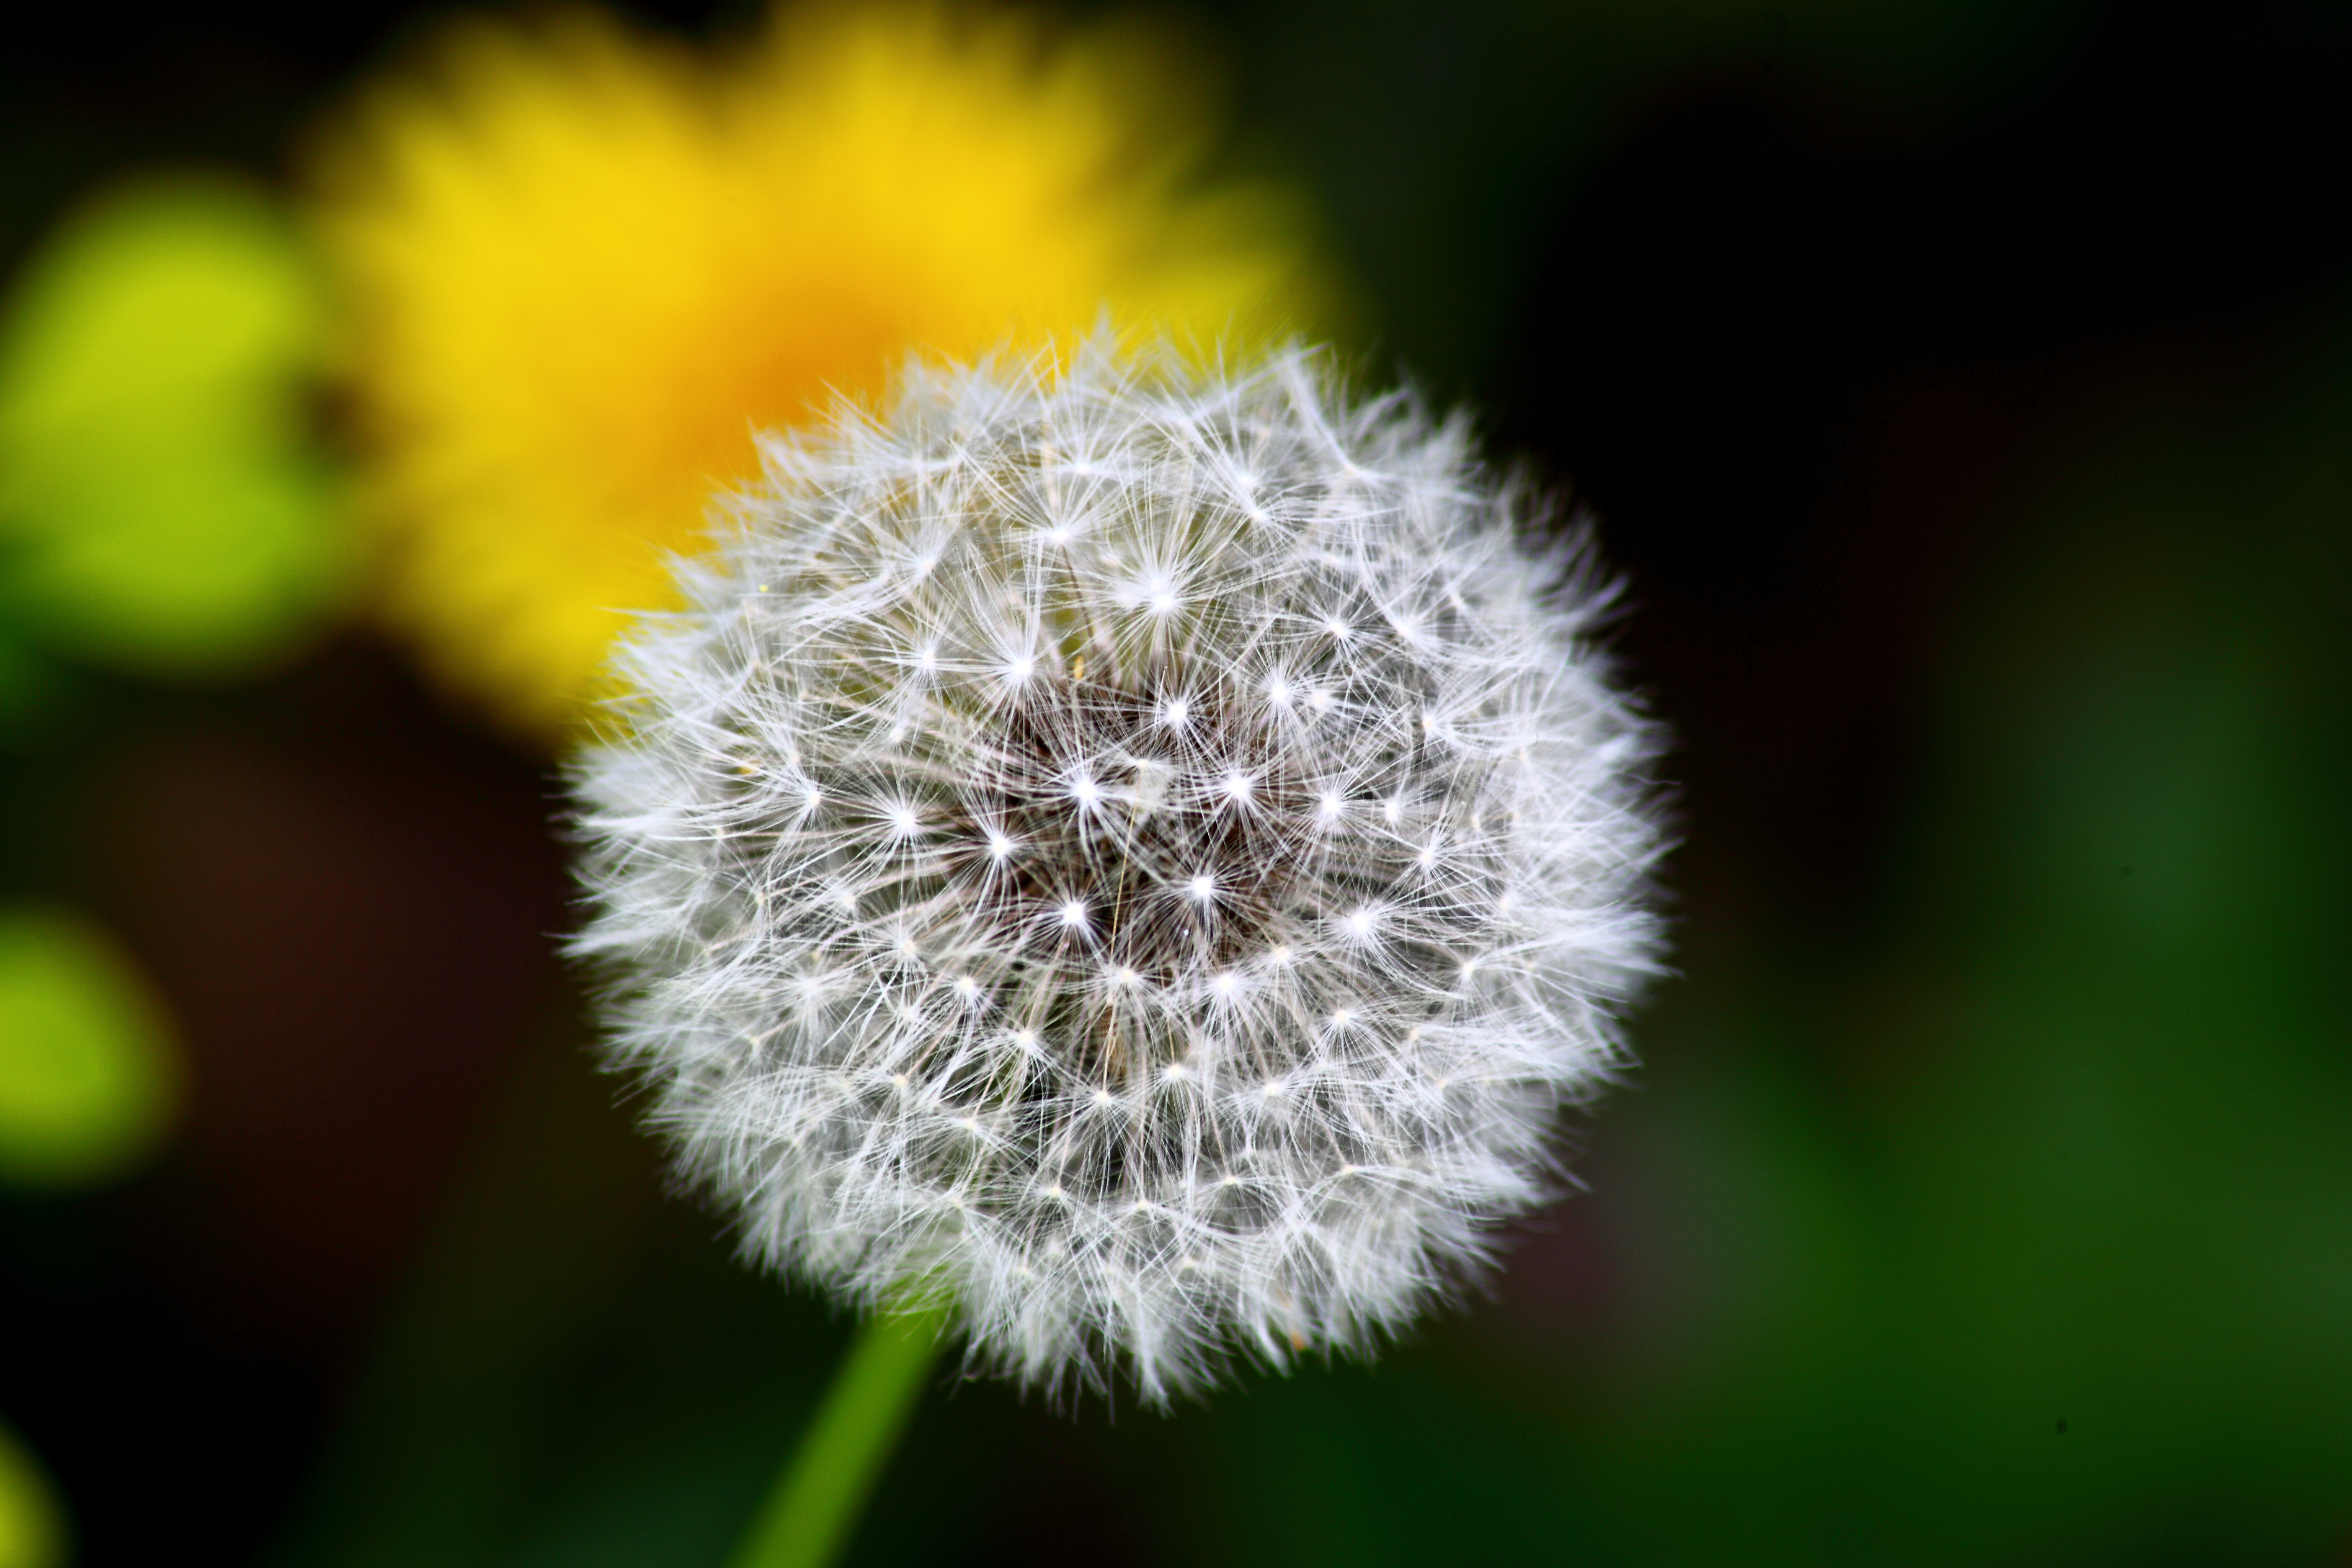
584 267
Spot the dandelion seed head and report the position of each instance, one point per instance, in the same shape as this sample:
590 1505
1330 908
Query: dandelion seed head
1081 987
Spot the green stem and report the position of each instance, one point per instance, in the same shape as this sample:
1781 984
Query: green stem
808 1516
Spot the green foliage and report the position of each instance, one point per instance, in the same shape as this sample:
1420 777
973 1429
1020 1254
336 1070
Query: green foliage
90 1075
32 1520
163 507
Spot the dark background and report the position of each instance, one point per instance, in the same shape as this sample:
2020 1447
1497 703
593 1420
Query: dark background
1967 397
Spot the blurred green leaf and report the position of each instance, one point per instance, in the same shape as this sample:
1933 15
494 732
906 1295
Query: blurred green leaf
89 1071
32 1521
162 507
29 684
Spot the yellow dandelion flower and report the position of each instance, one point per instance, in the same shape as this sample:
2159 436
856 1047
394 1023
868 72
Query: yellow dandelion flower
583 268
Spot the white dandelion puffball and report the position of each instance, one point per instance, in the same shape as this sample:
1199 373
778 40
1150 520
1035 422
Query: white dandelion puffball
1143 850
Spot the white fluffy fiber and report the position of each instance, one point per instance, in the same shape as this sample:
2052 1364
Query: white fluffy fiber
1145 850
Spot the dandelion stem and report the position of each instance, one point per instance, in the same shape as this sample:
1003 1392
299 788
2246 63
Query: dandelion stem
809 1516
